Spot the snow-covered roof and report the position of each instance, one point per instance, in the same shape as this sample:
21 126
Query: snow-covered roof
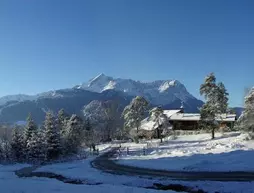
185 117
169 113
196 117
147 124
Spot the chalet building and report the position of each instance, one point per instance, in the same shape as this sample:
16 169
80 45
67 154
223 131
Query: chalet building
190 121
180 120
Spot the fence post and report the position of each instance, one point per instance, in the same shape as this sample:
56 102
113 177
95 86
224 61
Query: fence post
127 150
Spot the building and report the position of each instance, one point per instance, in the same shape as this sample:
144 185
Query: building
187 121
190 121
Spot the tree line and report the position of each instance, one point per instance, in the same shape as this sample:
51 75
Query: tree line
59 136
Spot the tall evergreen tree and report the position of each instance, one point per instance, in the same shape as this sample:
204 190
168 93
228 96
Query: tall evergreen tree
222 98
74 135
29 129
216 102
207 89
17 145
36 150
246 120
134 113
41 136
61 121
52 137
5 147
208 110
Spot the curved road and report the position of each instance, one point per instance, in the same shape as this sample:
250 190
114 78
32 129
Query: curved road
105 164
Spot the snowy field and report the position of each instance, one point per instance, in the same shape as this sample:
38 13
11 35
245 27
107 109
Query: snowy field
82 170
228 152
10 183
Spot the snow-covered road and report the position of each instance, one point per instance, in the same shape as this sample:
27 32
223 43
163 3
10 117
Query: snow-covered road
10 183
105 164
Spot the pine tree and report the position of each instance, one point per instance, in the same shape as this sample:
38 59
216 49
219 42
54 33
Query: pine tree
6 149
246 120
61 124
208 110
17 145
222 98
134 113
29 129
52 137
41 136
74 135
216 102
61 121
34 148
207 89
161 121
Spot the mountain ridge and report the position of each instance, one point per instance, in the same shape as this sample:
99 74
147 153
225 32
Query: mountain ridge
169 94
151 90
159 92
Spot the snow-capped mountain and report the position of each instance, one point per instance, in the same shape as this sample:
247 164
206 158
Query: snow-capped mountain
22 97
168 93
18 98
158 92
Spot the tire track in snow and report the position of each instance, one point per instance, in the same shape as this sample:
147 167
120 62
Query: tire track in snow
106 164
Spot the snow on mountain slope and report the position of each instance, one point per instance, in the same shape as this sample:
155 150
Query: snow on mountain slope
166 85
158 92
19 98
98 83
23 97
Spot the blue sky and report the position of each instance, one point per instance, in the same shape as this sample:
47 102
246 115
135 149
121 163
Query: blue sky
51 44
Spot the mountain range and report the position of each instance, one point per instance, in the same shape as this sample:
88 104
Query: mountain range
166 93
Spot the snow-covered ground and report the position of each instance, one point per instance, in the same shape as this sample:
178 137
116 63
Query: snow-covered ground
83 170
228 152
10 183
